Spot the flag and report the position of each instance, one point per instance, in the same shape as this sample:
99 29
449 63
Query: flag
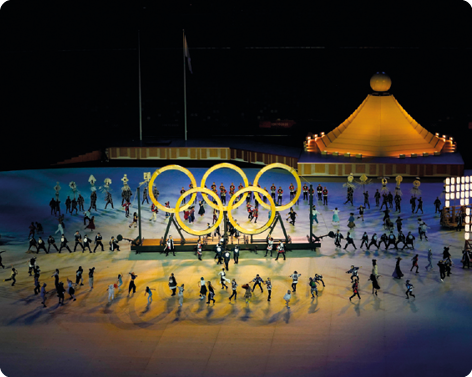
187 54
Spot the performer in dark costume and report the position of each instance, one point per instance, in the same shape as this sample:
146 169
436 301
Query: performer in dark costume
355 289
87 243
397 273
68 203
78 239
375 284
399 224
366 199
390 199
52 204
64 244
145 195
365 240
41 245
401 238
349 240
420 205
325 196
377 197
409 241
292 214
409 289
109 200
93 201
280 250
305 192
236 254
279 195
52 242
257 282
398 200
170 246
384 239
354 273
437 205
413 204
98 241
373 241
319 191
32 243
384 201
201 210
74 206
80 202
466 256
337 238
114 244
392 240
414 263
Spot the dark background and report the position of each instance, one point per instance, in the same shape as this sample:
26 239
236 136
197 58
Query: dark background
69 80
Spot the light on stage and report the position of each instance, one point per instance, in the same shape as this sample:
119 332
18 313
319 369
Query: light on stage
466 187
467 228
466 236
447 203
462 194
462 186
452 196
462 179
458 187
467 179
466 200
467 219
448 188
467 211
448 181
466 195
447 196
453 181
462 202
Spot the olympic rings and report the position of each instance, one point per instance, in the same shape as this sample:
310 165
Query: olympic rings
220 166
172 167
205 231
291 170
219 206
272 209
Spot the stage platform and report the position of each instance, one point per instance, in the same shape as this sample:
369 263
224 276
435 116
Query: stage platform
444 165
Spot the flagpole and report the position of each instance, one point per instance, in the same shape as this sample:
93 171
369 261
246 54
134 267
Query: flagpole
139 80
185 87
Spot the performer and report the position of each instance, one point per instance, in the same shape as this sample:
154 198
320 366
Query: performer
401 238
319 191
78 240
335 216
337 238
222 274
398 200
325 196
74 206
377 197
351 220
292 215
201 210
305 192
319 278
399 224
93 201
68 203
255 214
281 250
145 194
181 193
430 260
375 283
135 220
390 199
125 195
236 254
466 256
384 201
279 195
409 289
270 245
272 191
126 206
355 289
314 214
91 224
442 270
226 258
291 189
52 242
169 246
392 240
354 273
268 284
409 241
295 277
349 240
422 230
414 263
361 212
365 240
231 189
32 243
199 250
98 241
241 195
397 273
109 199
114 244
366 199
234 286
154 212
52 204
313 288
413 204
257 281
203 289
218 254
420 205
155 192
172 284
386 215
437 205
64 244
373 241
350 195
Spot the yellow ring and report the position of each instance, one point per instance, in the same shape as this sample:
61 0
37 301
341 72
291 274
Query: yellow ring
281 166
220 166
272 208
205 231
161 170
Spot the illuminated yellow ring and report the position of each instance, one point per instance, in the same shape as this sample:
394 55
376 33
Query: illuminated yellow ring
161 170
205 231
220 166
281 166
272 208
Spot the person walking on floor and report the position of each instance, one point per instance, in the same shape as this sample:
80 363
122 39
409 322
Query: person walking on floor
60 292
56 278
91 271
181 295
409 289
375 284
354 273
132 285
430 259
234 286
149 293
287 298
203 289
414 263
350 241
172 284
268 284
355 289
280 250
119 280
70 289
442 270
222 274
257 282
365 240
211 293
247 294
313 288
397 273
111 292
295 277
79 276
43 295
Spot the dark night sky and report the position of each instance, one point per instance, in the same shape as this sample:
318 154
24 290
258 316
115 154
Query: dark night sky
69 73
